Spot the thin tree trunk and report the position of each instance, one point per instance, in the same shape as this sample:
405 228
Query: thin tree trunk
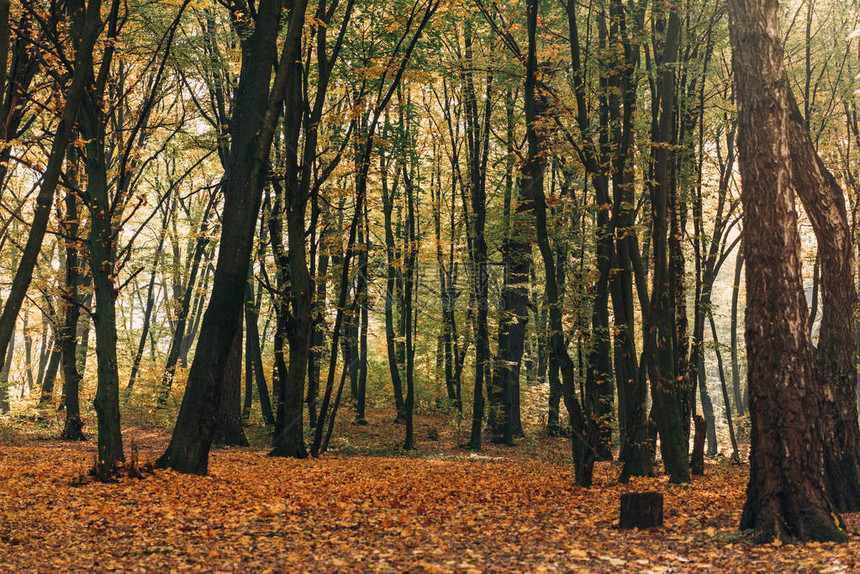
736 455
583 424
86 28
4 376
150 304
179 335
254 356
740 398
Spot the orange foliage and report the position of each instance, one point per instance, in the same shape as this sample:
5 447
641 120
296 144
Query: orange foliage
438 513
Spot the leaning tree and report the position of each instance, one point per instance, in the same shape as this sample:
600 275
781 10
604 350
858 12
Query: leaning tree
786 496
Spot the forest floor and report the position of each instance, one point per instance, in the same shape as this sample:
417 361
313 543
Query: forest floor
442 509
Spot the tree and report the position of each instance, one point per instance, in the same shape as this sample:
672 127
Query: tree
251 133
661 336
86 28
787 498
836 354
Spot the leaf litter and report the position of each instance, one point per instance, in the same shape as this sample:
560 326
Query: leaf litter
374 514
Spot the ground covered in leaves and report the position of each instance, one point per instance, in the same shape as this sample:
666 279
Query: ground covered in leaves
439 511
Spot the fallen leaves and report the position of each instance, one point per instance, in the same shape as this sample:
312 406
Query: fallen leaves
371 514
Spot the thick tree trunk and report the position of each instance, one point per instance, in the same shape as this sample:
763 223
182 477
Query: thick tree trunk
92 123
517 254
289 438
251 139
836 355
228 420
106 402
787 497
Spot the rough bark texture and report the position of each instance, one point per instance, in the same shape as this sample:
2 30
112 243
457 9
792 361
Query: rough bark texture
73 426
836 355
786 496
517 255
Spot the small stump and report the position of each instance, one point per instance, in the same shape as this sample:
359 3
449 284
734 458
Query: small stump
641 510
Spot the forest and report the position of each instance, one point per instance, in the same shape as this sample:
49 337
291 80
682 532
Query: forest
429 285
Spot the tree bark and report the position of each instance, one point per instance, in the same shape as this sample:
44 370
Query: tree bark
102 250
251 140
661 334
228 421
73 427
836 355
787 497
516 257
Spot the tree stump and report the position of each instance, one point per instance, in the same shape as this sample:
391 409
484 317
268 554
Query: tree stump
697 460
641 510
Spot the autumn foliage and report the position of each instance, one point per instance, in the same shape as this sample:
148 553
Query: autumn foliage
441 510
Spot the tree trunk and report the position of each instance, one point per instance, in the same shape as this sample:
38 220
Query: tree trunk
787 497
252 133
150 304
92 123
516 257
836 355
736 455
50 376
4 376
228 421
390 296
255 358
73 427
583 424
661 334
477 136
740 398
179 336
